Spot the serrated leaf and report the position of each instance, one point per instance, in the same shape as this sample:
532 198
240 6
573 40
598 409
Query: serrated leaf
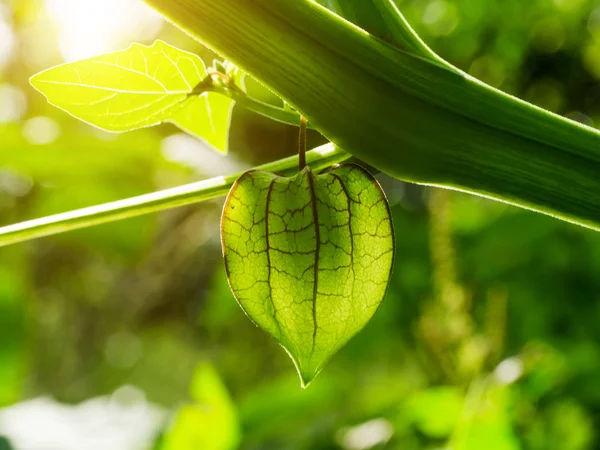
135 88
308 257
125 90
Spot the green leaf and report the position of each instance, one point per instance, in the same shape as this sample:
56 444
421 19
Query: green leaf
308 257
207 117
139 87
211 423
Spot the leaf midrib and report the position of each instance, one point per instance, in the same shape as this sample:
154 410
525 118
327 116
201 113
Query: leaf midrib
115 90
313 197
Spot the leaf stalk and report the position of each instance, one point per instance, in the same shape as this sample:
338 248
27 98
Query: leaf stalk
302 144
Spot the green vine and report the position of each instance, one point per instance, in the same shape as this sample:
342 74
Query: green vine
318 158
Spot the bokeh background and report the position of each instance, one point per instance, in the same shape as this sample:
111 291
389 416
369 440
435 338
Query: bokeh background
126 337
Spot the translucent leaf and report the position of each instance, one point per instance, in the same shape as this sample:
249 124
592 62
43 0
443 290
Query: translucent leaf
308 257
138 87
207 117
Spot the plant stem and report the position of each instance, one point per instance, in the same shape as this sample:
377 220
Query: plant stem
286 116
382 19
302 144
318 159
406 115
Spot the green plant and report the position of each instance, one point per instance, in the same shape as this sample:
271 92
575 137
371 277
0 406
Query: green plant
381 95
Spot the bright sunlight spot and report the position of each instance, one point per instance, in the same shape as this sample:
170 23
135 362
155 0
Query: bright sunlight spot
123 421
366 435
7 36
41 130
13 103
509 371
197 155
91 27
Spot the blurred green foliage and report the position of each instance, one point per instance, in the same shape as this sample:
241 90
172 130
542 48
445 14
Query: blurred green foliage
488 337
210 422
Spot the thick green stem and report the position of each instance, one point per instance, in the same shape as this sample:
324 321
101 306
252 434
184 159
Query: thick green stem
319 158
406 115
382 19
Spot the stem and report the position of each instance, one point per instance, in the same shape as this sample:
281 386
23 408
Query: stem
406 115
286 116
319 158
382 19
302 144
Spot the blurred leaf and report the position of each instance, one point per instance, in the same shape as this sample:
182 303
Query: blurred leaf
276 408
308 257
435 411
546 369
211 423
12 334
569 426
5 444
485 421
139 87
